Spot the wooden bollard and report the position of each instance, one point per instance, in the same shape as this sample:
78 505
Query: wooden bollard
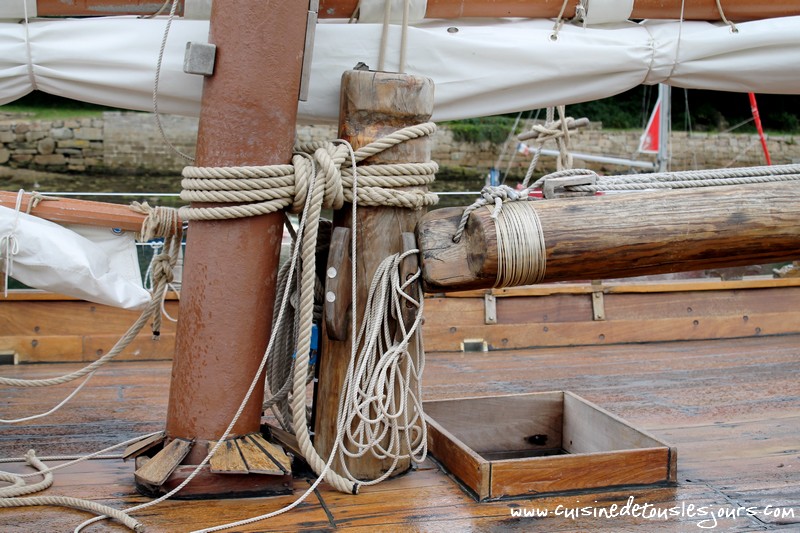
373 105
623 235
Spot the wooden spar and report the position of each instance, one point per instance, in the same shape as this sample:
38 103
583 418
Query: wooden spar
94 8
229 287
624 235
70 211
373 104
736 10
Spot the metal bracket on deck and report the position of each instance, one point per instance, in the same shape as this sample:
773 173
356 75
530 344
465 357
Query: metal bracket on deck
489 308
598 306
555 187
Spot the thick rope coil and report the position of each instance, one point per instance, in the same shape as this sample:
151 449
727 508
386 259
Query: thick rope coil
9 496
271 188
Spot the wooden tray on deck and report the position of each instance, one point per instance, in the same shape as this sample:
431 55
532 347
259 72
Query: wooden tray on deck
528 444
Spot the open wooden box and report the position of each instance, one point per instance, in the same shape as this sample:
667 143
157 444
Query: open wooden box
527 444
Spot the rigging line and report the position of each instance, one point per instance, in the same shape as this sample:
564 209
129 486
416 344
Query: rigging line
54 409
157 78
31 74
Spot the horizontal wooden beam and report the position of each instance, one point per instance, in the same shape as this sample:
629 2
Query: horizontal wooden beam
70 211
737 10
623 235
95 8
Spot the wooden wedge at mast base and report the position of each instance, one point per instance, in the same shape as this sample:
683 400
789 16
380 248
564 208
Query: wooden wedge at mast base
623 235
84 212
373 105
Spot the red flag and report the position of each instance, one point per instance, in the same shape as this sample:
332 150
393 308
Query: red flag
649 141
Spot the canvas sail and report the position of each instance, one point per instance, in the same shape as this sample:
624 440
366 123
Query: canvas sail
480 67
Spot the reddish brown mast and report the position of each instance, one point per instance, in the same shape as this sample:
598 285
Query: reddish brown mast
248 115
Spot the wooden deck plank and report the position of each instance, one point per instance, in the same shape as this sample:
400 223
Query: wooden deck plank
731 407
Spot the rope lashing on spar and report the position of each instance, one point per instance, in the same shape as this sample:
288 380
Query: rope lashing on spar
521 252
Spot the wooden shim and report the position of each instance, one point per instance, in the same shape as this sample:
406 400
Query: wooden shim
227 459
338 285
257 460
624 235
71 211
274 451
157 470
138 448
286 440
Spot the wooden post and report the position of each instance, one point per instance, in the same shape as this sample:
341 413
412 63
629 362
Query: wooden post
247 118
624 235
373 104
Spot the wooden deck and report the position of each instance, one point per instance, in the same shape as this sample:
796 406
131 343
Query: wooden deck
732 408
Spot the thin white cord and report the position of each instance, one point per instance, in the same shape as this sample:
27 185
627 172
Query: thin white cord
9 244
157 78
54 409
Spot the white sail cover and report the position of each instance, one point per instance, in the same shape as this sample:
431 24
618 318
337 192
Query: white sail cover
479 67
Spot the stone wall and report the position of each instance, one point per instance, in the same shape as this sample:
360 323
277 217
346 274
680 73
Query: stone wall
59 145
130 143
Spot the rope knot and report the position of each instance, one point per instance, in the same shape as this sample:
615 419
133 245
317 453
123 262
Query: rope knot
159 221
490 195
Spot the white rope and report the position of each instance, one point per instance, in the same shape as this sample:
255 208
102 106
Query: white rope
379 396
31 73
156 112
9 245
521 251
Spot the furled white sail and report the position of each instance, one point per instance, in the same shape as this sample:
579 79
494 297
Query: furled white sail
480 67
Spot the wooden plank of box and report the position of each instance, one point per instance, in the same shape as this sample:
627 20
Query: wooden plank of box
527 444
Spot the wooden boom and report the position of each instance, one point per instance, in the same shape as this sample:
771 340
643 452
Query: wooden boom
737 10
624 235
71 211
